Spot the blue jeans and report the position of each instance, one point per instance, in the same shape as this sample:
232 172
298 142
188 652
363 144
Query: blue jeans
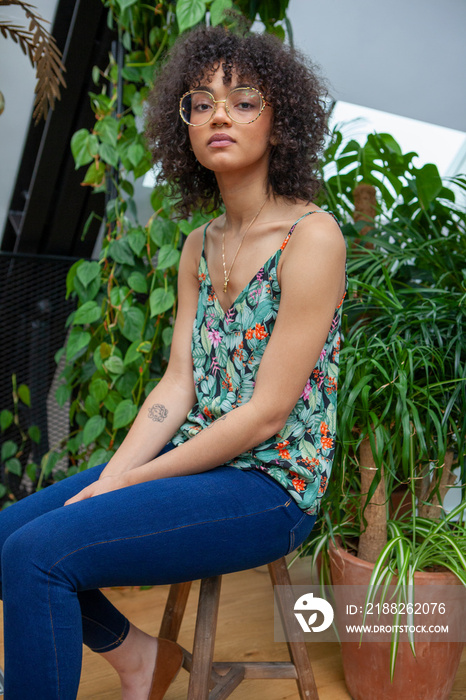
55 558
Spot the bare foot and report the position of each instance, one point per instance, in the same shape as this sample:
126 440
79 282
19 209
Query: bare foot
134 661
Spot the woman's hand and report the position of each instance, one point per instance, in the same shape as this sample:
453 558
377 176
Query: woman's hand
102 485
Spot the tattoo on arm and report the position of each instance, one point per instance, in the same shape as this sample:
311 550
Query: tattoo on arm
158 413
216 421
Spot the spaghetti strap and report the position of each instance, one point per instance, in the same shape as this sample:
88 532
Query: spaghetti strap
205 233
308 213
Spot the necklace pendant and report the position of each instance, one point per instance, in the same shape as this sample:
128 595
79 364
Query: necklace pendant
225 285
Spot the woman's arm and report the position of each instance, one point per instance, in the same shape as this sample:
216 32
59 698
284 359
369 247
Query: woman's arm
312 283
168 404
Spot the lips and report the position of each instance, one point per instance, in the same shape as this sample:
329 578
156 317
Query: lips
220 139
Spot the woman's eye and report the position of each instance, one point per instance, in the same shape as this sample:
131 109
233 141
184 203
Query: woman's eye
245 105
200 103
201 106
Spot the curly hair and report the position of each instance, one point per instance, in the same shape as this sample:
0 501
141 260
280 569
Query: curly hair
290 84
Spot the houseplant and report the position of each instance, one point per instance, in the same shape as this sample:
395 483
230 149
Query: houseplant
394 370
402 395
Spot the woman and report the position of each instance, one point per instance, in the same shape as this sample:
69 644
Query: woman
226 463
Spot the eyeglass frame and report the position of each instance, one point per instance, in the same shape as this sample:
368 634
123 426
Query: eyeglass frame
245 87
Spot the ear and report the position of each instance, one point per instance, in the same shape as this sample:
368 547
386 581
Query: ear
274 140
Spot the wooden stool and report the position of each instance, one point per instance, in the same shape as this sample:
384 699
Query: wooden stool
221 678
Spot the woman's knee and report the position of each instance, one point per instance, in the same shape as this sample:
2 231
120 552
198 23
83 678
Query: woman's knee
18 550
28 553
9 525
29 509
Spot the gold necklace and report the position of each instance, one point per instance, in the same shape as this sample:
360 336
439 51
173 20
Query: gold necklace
226 274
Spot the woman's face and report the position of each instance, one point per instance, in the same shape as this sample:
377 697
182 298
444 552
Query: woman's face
223 145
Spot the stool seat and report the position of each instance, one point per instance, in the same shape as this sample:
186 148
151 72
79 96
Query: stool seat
211 680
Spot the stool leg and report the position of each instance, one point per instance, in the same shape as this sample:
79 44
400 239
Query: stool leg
297 648
204 639
174 610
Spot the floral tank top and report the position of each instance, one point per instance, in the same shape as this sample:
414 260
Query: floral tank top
227 348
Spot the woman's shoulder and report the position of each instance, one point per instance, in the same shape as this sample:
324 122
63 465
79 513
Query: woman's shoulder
316 252
192 246
315 238
191 252
314 225
306 223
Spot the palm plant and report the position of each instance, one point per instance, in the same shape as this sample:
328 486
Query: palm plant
40 47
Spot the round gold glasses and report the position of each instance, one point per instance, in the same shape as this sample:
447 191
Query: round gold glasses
243 105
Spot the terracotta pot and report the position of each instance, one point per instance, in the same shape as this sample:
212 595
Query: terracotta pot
428 676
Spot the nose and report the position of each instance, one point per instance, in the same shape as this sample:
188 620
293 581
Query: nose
220 114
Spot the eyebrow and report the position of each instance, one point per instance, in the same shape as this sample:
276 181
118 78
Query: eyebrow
208 89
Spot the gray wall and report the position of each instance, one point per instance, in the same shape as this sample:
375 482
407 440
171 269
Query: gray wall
407 57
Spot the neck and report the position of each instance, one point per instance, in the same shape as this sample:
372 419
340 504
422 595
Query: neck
242 197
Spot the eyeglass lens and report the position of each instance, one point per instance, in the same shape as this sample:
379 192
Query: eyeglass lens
243 105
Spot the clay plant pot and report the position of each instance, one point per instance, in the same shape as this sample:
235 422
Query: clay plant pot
428 676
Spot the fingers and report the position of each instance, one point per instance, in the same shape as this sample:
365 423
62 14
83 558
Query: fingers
99 487
81 496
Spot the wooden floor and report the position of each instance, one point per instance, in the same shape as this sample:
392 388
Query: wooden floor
245 631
